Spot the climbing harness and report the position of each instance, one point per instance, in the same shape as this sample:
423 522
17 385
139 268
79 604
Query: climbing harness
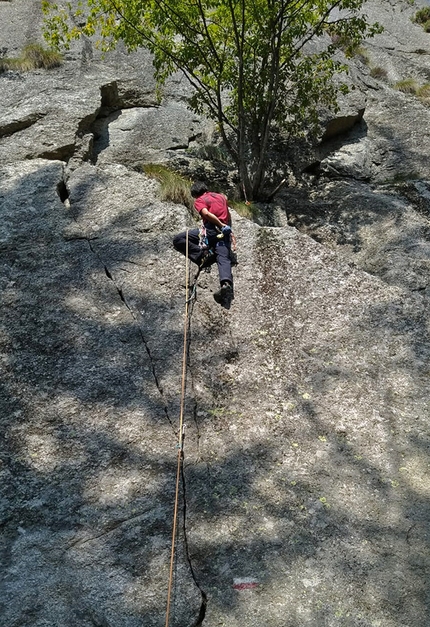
203 238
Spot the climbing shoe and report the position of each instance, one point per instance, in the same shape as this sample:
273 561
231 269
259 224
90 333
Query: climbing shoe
224 296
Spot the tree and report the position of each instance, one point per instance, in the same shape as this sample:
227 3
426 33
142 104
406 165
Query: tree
254 64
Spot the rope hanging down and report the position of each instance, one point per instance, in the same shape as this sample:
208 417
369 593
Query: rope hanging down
181 436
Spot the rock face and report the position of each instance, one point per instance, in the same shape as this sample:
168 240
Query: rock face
304 491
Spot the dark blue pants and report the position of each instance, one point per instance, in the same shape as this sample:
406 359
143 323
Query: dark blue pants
221 247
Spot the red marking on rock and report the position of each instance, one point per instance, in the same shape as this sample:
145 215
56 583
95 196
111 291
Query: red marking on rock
244 584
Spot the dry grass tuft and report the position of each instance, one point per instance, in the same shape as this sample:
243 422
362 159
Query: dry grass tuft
408 86
34 56
378 72
173 186
411 86
423 94
246 210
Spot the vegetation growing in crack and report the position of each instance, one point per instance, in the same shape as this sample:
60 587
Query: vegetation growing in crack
423 17
363 55
412 86
378 72
173 186
33 57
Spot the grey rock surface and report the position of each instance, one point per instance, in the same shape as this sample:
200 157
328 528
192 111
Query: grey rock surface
89 458
304 497
392 141
146 134
383 230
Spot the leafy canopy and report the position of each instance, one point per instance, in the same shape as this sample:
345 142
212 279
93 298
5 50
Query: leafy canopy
255 65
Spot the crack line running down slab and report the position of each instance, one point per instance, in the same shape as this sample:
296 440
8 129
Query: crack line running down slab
141 334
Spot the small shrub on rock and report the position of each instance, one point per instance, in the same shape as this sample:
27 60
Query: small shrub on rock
176 188
362 54
34 56
423 93
173 186
244 209
378 72
408 86
423 17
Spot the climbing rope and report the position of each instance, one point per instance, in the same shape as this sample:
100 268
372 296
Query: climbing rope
181 435
179 469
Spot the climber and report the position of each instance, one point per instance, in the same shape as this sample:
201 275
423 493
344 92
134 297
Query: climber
212 242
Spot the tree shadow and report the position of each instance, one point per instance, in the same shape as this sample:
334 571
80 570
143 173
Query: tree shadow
323 521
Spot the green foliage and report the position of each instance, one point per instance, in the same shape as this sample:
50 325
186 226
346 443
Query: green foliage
33 56
173 186
250 62
422 16
244 209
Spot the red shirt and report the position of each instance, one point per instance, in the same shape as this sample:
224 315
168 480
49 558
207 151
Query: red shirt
215 203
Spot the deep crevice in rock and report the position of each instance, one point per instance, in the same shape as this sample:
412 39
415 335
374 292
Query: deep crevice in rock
100 129
113 100
109 95
204 600
62 191
86 122
108 274
20 125
59 153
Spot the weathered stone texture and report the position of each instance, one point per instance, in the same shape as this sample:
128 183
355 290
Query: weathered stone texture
306 406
